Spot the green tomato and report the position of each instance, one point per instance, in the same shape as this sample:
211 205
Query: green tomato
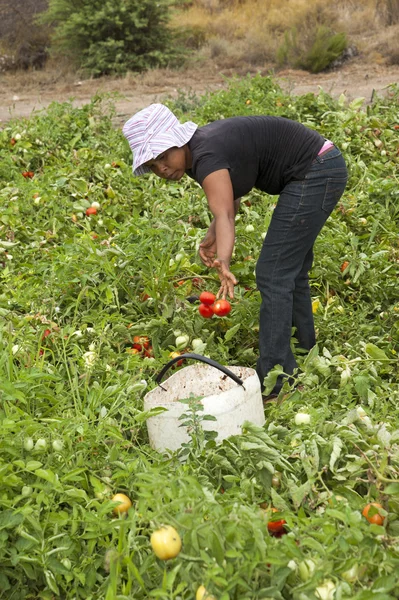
302 418
351 574
182 341
306 569
66 563
41 444
326 591
28 444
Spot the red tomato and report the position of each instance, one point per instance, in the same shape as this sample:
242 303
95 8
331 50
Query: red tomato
376 518
207 298
91 211
141 342
133 351
197 282
221 308
205 311
344 266
175 355
276 526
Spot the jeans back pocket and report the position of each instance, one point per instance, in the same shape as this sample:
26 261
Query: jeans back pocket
335 187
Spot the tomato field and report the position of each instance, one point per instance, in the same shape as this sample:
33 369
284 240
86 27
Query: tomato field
94 302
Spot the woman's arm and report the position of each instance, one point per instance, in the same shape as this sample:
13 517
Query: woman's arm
207 248
219 192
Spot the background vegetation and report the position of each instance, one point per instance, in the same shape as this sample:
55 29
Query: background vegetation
127 35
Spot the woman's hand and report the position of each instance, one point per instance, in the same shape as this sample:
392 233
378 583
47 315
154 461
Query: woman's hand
207 248
227 279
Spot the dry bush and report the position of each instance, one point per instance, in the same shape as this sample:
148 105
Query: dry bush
254 30
389 11
389 47
24 42
56 71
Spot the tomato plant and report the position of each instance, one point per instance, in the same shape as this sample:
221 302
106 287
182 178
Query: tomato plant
89 318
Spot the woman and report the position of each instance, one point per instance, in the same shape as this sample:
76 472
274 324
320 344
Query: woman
228 158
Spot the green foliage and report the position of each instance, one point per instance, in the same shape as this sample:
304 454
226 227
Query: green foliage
74 292
314 51
103 36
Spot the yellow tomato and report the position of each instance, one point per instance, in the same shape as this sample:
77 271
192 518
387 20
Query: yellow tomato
166 542
124 503
202 594
315 306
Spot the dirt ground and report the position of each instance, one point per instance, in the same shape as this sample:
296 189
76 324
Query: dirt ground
24 94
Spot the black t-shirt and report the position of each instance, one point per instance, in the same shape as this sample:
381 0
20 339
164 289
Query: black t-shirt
261 152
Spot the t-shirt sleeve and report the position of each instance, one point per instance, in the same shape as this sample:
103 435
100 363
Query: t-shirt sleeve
208 164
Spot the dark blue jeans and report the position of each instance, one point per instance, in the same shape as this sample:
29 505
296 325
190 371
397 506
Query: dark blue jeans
286 258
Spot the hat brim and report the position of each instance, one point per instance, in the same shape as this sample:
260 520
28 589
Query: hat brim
175 138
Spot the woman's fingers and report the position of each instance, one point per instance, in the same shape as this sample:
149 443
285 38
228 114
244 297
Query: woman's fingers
227 281
206 256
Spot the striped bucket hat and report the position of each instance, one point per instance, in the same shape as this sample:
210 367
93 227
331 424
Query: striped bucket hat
152 131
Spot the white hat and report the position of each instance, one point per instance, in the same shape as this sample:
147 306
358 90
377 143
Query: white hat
152 131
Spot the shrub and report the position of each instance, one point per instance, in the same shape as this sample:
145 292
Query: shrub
314 52
193 37
104 36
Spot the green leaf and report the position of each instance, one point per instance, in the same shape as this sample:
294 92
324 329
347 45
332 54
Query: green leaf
374 352
32 465
4 582
230 333
76 494
51 582
47 475
271 378
298 493
10 519
362 385
392 489
336 452
217 546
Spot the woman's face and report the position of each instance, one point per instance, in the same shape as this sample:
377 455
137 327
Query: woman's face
171 164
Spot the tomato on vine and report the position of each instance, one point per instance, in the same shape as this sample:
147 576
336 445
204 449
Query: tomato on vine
205 311
221 308
375 518
207 298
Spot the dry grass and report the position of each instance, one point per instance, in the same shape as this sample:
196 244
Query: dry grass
252 30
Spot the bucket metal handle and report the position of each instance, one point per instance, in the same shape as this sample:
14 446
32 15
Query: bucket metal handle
205 359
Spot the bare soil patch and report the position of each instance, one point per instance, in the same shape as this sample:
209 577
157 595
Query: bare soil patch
22 95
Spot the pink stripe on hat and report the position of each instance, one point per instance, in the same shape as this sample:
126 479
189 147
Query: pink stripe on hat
152 131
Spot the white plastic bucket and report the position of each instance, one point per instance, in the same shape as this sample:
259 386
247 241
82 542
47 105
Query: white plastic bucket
232 395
